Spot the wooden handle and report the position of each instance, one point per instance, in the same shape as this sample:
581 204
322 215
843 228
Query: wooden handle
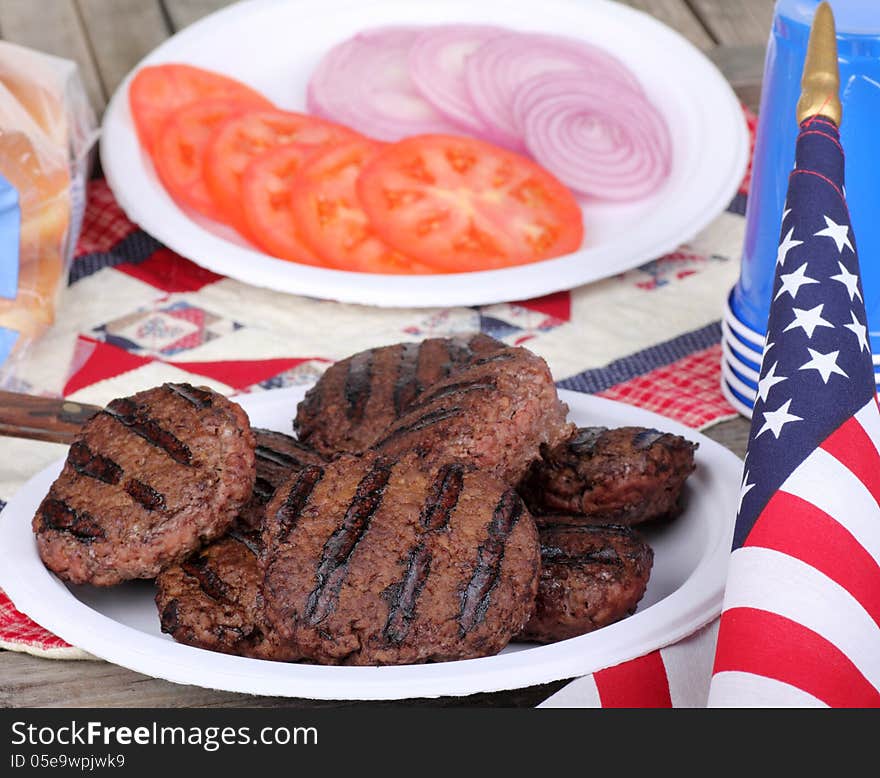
42 418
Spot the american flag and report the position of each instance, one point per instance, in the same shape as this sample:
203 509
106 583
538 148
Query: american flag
799 625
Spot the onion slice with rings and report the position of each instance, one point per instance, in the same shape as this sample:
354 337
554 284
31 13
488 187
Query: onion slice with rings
436 65
600 140
364 83
499 67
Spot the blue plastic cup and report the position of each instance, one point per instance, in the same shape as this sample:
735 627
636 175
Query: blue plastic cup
858 45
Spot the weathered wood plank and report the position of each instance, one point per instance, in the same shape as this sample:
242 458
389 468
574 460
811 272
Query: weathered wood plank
121 32
738 22
53 26
27 681
743 67
678 15
184 12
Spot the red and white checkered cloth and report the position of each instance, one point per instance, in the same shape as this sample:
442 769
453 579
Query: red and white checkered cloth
136 314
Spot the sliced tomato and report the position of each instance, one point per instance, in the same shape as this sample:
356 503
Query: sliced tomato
179 151
460 204
330 218
239 141
266 186
157 90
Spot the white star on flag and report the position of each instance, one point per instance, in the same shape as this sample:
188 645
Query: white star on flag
792 282
860 331
785 213
745 488
824 364
808 320
787 244
776 420
769 381
849 280
839 233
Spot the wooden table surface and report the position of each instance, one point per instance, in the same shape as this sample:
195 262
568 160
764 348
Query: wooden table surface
107 38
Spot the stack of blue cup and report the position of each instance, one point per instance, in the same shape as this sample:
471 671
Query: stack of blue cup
748 305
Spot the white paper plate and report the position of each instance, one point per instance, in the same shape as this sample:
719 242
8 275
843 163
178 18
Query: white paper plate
121 624
274 46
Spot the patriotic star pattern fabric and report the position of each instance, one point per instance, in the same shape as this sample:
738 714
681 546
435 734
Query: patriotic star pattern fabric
802 603
136 314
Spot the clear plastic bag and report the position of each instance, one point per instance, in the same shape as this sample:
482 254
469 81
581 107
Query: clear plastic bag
47 133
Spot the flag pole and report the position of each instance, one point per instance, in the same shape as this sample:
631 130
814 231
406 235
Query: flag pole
820 83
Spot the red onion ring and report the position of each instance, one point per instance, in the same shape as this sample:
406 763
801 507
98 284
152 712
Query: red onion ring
499 67
597 138
364 83
436 65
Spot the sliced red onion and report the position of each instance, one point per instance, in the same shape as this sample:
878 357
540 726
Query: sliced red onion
364 83
436 65
499 67
598 139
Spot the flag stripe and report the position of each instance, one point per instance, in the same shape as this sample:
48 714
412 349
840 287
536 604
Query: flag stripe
640 683
851 446
731 687
580 693
798 528
769 581
773 646
848 501
869 418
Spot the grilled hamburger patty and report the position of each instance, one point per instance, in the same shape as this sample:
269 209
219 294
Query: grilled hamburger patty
147 481
611 476
591 576
357 398
496 413
377 560
278 456
212 599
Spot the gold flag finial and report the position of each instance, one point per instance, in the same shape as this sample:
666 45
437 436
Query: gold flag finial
820 84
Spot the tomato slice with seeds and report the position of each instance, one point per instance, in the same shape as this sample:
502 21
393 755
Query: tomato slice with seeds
239 141
331 220
179 151
265 189
461 204
158 90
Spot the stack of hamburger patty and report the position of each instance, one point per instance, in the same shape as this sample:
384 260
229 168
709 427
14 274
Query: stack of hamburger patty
435 505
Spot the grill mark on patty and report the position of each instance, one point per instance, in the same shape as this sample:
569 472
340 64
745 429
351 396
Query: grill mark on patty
453 390
442 500
139 422
59 516
280 458
458 353
297 498
339 548
171 617
604 555
145 494
250 540
498 356
209 582
86 462
407 386
263 490
357 385
585 440
200 398
405 595
443 497
646 438
422 422
490 554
